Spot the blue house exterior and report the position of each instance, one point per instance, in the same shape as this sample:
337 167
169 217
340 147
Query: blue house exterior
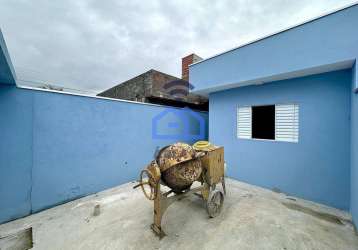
312 65
57 147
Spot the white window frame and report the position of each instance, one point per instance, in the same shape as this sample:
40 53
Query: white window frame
244 119
286 122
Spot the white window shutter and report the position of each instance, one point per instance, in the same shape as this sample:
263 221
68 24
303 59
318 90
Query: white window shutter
287 122
244 116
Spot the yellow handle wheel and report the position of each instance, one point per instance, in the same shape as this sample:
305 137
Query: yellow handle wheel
201 145
148 184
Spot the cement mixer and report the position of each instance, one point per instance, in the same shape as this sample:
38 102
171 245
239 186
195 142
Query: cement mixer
177 167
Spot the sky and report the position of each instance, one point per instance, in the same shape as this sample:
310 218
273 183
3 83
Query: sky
94 45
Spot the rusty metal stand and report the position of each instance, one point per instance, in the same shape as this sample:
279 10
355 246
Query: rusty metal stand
162 202
212 161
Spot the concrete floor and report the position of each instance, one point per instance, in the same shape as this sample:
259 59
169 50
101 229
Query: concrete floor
252 218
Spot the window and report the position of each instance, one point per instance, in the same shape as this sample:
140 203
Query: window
270 122
263 122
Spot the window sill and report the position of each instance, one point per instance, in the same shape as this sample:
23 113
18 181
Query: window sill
267 140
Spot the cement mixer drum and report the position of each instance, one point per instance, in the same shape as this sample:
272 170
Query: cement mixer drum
179 166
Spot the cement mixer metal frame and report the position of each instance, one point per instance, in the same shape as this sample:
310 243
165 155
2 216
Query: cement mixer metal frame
213 173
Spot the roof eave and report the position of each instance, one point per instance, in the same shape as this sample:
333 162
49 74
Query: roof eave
7 73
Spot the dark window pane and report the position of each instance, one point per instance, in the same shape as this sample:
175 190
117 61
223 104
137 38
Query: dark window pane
263 122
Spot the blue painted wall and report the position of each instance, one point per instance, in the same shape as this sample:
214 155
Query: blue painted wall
58 147
354 157
15 152
318 166
324 41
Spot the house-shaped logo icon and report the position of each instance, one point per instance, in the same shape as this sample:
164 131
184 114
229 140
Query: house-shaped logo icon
178 124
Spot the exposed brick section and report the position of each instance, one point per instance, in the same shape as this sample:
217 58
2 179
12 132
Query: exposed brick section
185 62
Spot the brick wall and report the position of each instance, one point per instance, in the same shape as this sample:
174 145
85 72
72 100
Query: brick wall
186 61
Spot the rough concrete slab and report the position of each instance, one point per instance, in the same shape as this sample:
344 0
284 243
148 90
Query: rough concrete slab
252 218
20 240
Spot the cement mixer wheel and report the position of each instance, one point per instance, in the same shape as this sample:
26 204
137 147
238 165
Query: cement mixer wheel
150 182
214 203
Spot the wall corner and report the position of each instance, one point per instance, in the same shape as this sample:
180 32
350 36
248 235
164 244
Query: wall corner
354 77
354 147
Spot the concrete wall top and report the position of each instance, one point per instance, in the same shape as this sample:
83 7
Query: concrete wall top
102 98
321 45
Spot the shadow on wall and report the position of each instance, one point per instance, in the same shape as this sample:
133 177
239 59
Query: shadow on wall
354 150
